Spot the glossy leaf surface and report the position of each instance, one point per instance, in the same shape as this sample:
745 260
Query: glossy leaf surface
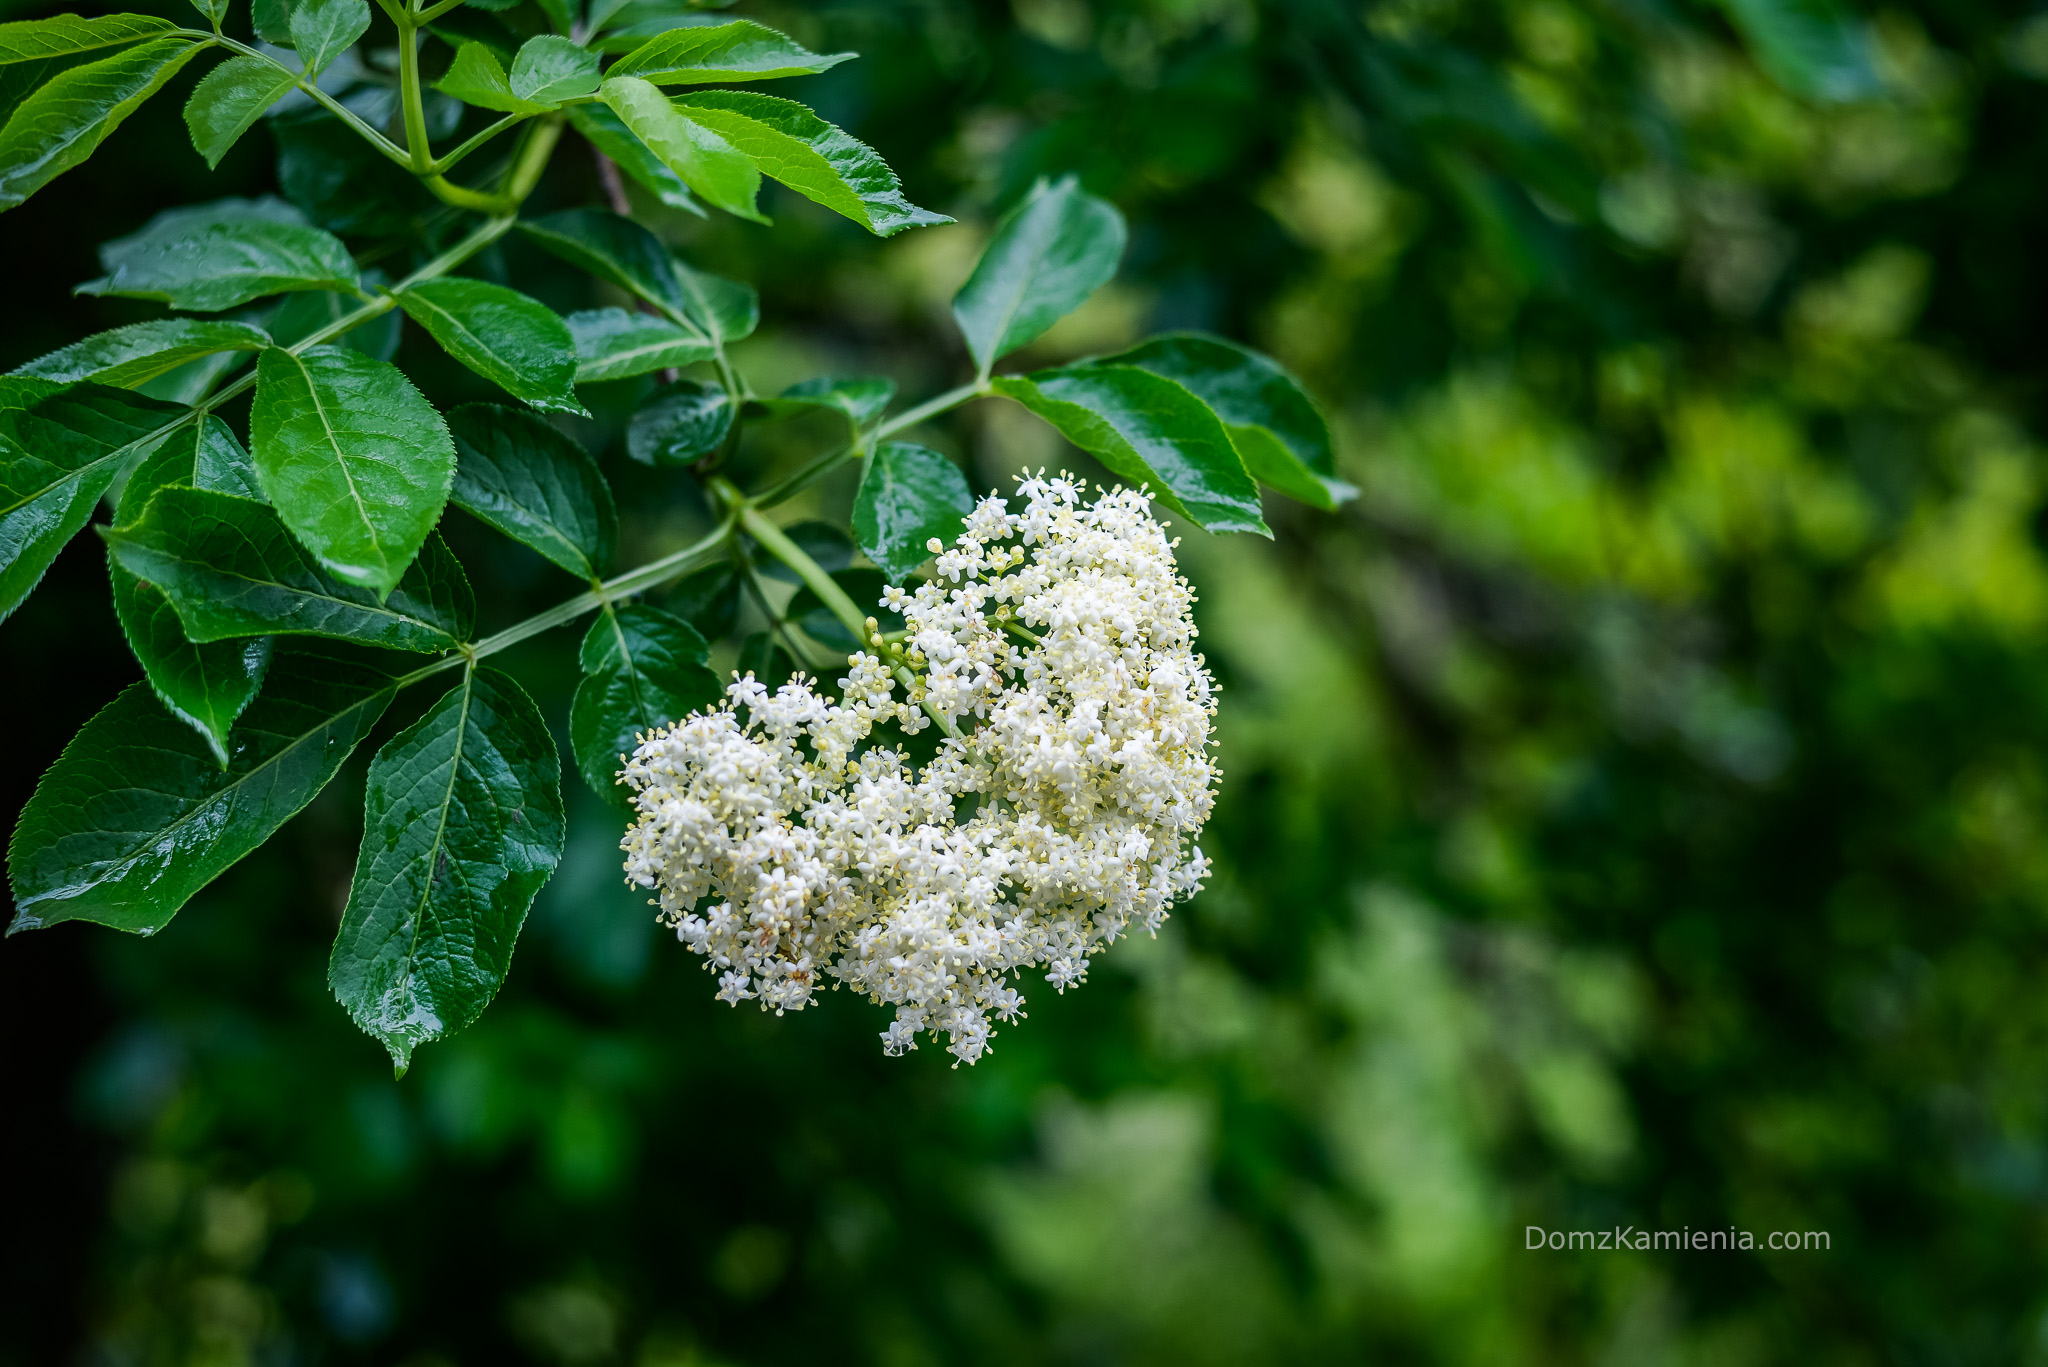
612 248
229 100
231 569
1047 256
324 29
517 343
129 356
353 458
719 53
205 685
818 160
681 422
706 162
136 816
216 256
60 449
725 311
549 69
1276 427
862 398
642 668
517 473
908 494
477 77
63 123
62 35
1148 430
615 344
462 824
609 135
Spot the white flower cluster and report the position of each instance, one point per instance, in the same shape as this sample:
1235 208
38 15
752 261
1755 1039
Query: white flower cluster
787 846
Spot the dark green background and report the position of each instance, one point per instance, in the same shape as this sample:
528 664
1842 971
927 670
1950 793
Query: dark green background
1633 810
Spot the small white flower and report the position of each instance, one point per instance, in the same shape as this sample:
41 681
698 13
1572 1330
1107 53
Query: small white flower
784 847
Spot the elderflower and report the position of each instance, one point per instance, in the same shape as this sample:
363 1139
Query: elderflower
788 845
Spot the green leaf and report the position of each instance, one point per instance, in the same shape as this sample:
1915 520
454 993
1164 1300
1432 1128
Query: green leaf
216 256
819 622
609 135
1148 430
344 184
517 343
517 473
353 458
213 11
476 77
324 29
272 20
135 816
719 53
613 248
304 313
63 123
1048 255
61 35
1811 47
60 448
908 495
708 600
206 686
707 163
558 13
642 668
862 398
549 70
724 310
227 103
231 569
616 344
812 157
1275 426
681 422
203 454
126 357
462 824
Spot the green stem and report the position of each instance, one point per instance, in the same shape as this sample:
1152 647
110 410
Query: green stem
631 582
433 12
442 164
824 465
416 141
314 92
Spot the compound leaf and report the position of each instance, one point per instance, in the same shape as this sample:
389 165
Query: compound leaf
608 134
1275 426
231 569
354 459
908 495
229 100
517 343
616 344
462 824
642 668
216 256
324 29
63 123
517 473
818 160
706 162
60 448
136 816
62 35
1048 255
1148 430
719 53
548 70
681 422
129 356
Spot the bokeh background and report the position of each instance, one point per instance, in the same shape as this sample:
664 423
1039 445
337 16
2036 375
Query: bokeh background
1635 809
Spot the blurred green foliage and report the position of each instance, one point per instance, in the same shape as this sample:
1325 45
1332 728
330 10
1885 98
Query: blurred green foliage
1634 807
